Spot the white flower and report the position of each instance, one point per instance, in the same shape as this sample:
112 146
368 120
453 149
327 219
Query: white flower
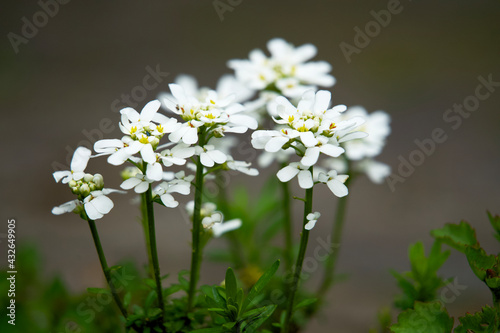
139 182
376 171
209 155
241 166
208 212
335 182
312 218
97 204
79 162
221 228
67 207
177 155
378 128
165 190
286 69
294 169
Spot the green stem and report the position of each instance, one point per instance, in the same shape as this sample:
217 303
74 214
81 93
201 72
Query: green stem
105 268
154 252
300 260
144 212
197 230
336 237
287 223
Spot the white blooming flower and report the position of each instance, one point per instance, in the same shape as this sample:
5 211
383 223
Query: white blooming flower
335 182
241 166
376 171
209 155
67 207
312 218
209 221
79 162
208 212
296 169
221 228
140 183
286 69
165 190
378 128
177 155
96 204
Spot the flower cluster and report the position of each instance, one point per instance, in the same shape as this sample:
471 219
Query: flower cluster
310 129
92 201
360 153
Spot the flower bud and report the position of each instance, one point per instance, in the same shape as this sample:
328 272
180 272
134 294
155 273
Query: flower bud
92 186
218 133
72 183
88 177
75 190
98 180
129 172
85 190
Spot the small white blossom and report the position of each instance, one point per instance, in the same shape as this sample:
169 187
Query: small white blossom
209 155
79 162
221 228
241 166
296 169
139 182
312 218
335 182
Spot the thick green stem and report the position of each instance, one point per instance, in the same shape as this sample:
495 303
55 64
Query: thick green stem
105 268
300 260
287 224
154 252
197 230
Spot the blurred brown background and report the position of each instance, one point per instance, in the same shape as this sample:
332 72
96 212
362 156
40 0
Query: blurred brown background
65 78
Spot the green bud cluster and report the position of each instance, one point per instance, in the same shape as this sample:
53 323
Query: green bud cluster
87 184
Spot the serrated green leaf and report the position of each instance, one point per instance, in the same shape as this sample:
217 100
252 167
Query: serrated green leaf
457 236
495 223
260 285
480 262
424 318
479 322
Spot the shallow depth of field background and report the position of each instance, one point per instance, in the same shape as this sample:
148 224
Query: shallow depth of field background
65 79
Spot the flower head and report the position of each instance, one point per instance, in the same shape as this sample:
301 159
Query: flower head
312 218
79 162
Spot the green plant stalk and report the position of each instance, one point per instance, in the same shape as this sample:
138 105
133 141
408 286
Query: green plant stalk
154 251
105 268
300 260
144 212
287 224
336 237
197 230
496 302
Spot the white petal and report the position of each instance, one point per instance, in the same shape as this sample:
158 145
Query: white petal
107 145
142 187
169 201
65 207
311 156
80 159
103 204
219 229
276 143
308 139
190 136
58 175
91 211
154 171
130 183
217 156
322 100
337 188
331 150
287 173
149 111
147 154
305 179
310 224
119 157
206 160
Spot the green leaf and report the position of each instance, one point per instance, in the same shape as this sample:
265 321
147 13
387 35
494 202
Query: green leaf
457 236
480 262
260 285
424 318
479 322
150 299
495 223
254 324
98 291
210 330
305 303
231 286
127 298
